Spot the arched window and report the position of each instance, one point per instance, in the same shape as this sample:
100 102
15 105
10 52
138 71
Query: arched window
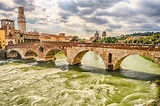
10 43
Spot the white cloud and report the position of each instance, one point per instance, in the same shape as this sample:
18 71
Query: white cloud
84 17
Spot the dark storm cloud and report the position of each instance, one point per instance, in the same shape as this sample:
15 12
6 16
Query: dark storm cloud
70 6
6 7
96 20
114 26
150 8
109 30
91 30
144 27
27 5
7 14
64 16
120 12
141 12
85 11
150 27
82 8
95 4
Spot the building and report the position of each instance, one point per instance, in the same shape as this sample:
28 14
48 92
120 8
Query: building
8 26
16 36
26 37
96 36
30 37
19 37
61 37
13 36
2 39
69 38
21 20
91 38
51 37
104 34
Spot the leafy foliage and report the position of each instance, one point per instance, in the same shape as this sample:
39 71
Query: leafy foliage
77 39
140 38
110 40
74 39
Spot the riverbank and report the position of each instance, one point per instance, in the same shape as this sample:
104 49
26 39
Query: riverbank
147 58
158 91
2 54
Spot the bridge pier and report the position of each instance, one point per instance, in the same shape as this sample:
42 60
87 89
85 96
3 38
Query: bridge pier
28 57
73 63
109 67
43 60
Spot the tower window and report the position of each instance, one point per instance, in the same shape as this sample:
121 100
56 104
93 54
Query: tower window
21 35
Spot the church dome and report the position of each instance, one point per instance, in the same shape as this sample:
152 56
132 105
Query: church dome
96 33
103 33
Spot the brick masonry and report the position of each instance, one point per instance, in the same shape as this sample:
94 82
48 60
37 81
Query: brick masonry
45 51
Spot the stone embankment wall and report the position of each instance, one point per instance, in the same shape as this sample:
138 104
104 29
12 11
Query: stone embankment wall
2 54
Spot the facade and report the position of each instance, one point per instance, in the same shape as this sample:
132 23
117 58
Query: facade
8 26
2 39
21 20
91 38
51 37
30 36
88 41
96 36
26 37
61 37
19 37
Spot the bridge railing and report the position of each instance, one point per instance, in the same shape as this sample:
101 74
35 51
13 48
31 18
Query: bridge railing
100 45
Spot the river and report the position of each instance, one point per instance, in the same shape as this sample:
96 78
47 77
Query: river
27 83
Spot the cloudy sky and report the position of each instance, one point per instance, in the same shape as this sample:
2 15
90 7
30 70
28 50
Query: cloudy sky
84 17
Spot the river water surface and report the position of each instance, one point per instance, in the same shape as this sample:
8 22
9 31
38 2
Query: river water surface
27 83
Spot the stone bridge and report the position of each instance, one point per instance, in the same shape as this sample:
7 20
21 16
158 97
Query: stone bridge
112 54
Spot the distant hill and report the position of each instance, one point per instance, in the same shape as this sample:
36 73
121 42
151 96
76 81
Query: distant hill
141 38
143 34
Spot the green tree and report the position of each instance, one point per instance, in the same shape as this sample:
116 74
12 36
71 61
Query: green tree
74 39
81 40
110 40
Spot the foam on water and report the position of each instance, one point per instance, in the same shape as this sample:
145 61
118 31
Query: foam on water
32 84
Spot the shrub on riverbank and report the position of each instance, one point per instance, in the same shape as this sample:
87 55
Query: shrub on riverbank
158 90
147 58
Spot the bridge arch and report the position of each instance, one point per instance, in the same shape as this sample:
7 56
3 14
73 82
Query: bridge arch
80 54
30 54
14 54
121 58
50 54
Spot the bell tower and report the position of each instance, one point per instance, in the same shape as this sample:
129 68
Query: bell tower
21 19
